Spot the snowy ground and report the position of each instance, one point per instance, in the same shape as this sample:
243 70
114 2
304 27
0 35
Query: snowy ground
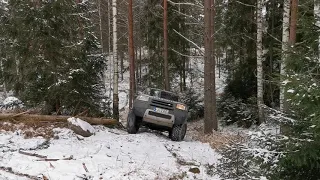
109 154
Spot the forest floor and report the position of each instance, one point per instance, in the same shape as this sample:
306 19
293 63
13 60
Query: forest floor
52 151
29 151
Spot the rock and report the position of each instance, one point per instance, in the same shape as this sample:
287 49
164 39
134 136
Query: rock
12 103
80 127
194 170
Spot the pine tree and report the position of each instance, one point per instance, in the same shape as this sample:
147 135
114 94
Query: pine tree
54 61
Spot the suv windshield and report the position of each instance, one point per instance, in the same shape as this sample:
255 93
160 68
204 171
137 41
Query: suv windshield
164 94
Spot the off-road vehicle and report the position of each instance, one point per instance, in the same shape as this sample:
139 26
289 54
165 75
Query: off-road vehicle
159 110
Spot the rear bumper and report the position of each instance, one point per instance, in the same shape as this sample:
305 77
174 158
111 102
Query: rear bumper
166 120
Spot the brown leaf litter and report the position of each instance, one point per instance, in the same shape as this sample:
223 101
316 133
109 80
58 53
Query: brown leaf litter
217 139
31 128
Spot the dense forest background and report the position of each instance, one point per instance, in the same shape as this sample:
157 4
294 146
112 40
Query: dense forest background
56 56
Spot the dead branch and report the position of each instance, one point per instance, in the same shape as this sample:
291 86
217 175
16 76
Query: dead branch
51 165
9 170
85 167
32 154
46 159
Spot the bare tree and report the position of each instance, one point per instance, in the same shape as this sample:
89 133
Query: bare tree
285 48
131 54
165 45
259 60
115 62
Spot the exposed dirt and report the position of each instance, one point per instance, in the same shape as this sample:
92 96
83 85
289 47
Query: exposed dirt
31 128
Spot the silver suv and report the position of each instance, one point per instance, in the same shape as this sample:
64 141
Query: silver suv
159 110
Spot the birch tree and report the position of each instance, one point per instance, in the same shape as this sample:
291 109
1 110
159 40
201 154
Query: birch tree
115 62
285 47
259 60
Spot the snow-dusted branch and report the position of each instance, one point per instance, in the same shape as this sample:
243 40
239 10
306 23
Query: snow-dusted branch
185 55
190 4
186 15
249 5
189 41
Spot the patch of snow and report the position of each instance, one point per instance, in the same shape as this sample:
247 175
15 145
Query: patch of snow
84 125
290 91
12 101
110 154
285 82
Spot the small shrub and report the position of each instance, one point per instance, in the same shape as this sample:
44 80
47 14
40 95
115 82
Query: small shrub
195 104
233 110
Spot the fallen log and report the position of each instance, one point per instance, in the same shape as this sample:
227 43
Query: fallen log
37 117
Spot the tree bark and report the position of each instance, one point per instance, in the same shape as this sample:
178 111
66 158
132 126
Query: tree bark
210 120
213 68
259 61
115 63
36 117
293 22
109 48
131 54
317 20
285 47
208 125
102 46
165 46
2 71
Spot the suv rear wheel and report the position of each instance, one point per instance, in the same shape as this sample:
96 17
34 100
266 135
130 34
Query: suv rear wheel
132 123
178 132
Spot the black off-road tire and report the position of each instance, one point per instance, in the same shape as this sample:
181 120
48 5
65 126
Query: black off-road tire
132 123
178 132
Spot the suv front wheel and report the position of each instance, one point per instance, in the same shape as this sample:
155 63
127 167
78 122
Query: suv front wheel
178 132
132 123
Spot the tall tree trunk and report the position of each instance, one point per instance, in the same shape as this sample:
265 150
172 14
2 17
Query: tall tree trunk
81 33
293 22
213 69
131 54
272 52
2 69
115 62
259 61
2 73
121 55
140 62
210 121
165 45
109 48
285 48
104 74
317 19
